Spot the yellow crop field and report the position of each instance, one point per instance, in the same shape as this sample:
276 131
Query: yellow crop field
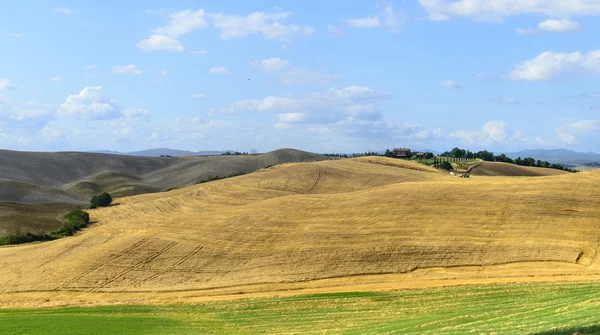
364 224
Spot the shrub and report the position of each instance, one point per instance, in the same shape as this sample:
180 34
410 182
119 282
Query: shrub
445 165
75 221
102 200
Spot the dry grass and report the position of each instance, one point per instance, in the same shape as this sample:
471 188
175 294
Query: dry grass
331 226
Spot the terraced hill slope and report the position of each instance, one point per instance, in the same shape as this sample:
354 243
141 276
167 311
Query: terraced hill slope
512 170
74 177
330 226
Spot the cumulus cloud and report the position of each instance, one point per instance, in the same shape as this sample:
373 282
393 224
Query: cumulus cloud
198 96
550 65
270 26
326 108
136 114
90 104
183 22
493 132
387 18
56 79
496 10
127 69
571 133
553 26
5 84
559 26
450 84
290 75
218 70
66 11
159 42
31 115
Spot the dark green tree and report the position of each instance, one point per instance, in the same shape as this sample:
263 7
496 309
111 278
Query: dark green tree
102 200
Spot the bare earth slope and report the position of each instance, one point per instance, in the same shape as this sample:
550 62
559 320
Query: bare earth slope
74 177
512 170
356 224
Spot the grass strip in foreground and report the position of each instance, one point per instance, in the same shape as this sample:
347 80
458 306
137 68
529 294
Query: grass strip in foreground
534 309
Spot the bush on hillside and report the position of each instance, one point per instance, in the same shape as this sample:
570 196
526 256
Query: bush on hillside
445 165
102 200
74 221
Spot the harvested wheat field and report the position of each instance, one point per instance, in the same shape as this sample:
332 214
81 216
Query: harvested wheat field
365 224
512 170
33 181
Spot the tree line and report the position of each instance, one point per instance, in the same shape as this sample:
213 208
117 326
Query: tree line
490 157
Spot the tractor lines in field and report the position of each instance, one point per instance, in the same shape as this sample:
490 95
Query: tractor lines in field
107 261
172 266
138 265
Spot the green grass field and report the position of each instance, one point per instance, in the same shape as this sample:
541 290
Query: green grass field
540 309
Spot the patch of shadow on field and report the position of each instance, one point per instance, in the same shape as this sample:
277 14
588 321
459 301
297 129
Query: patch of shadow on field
589 330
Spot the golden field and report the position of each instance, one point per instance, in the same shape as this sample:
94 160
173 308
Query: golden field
364 224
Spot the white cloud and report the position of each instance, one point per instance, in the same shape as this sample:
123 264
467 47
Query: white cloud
480 75
5 84
198 96
387 18
199 52
183 22
164 72
571 133
136 114
549 65
52 132
218 70
159 42
493 132
90 67
365 22
496 10
559 26
289 75
56 79
270 26
553 26
528 31
450 84
90 104
333 106
66 11
127 69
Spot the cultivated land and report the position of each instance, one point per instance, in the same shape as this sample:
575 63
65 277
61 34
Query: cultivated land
34 181
507 169
365 224
533 309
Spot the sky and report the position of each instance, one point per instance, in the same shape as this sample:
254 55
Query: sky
323 76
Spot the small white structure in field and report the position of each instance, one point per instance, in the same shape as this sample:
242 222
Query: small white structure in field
452 173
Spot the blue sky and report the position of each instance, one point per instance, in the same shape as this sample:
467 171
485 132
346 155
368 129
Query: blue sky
323 76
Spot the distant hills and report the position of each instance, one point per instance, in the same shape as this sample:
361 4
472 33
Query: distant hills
560 156
160 152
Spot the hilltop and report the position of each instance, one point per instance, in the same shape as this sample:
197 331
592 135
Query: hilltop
368 223
69 179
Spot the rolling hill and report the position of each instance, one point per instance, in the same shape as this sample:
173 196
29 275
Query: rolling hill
364 224
63 178
513 170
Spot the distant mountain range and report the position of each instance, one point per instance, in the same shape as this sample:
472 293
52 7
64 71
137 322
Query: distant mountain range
560 156
160 152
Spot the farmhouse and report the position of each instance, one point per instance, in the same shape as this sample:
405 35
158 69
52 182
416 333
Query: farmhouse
420 155
401 152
